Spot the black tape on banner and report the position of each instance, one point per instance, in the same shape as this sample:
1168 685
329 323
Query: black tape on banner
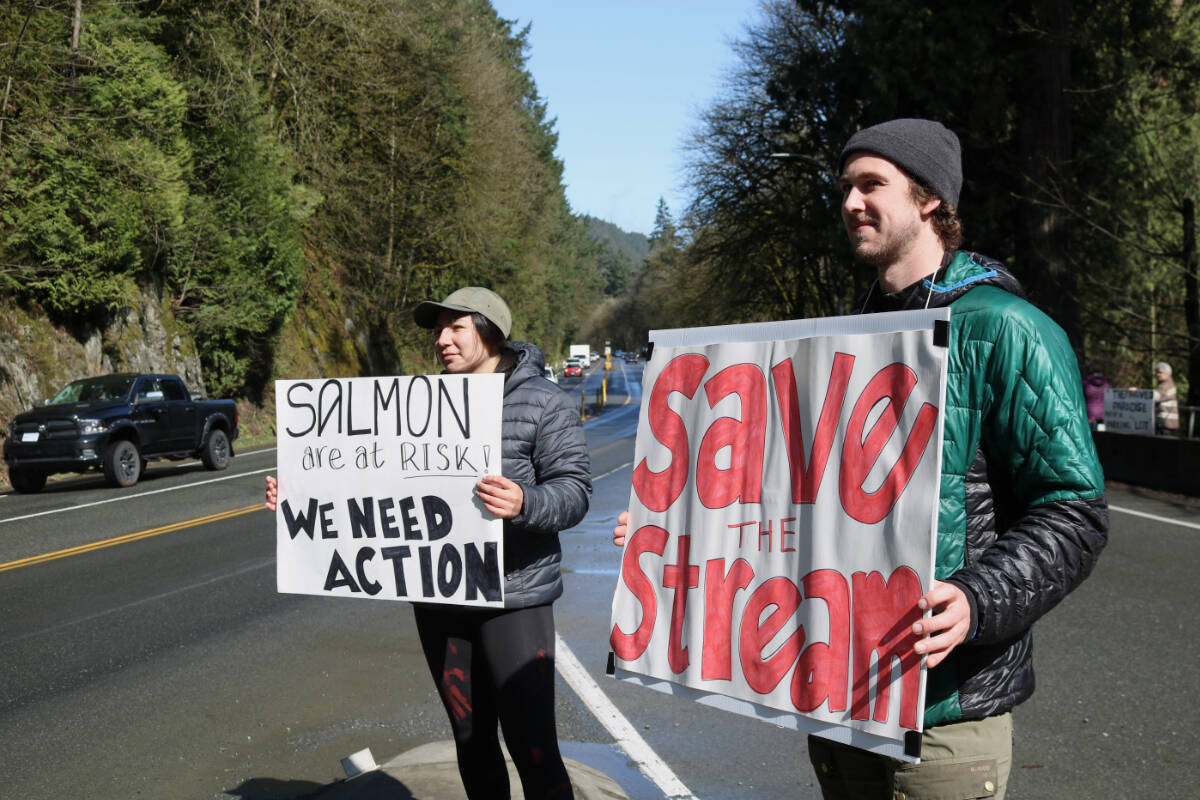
611 668
941 333
912 744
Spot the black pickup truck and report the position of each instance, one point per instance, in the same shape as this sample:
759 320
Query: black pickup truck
116 423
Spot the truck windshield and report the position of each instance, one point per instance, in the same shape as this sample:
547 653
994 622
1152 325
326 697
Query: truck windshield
90 390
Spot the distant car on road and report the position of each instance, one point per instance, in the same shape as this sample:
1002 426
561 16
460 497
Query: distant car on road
572 370
549 375
117 423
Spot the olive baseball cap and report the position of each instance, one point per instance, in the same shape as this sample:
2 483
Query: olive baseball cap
467 300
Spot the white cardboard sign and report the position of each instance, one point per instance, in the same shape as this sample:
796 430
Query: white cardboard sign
376 488
1129 411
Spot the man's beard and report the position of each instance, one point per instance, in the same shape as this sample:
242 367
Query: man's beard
882 252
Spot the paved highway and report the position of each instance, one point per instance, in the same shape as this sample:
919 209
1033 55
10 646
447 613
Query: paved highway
146 653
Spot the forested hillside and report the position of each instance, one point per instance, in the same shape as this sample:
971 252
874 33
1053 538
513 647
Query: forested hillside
286 180
241 189
621 254
635 246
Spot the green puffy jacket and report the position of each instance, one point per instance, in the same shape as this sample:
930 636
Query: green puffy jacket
1023 515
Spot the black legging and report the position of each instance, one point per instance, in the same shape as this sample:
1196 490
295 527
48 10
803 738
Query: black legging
497 666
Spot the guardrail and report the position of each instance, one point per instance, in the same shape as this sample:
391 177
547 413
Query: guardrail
1168 463
1192 412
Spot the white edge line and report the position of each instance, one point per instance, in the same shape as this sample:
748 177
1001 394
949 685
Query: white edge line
1155 517
621 729
1130 511
613 471
190 485
135 496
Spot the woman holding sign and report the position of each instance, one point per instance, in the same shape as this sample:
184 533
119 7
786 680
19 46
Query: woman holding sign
496 667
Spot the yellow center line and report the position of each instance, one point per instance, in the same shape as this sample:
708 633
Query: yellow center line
129 537
626 377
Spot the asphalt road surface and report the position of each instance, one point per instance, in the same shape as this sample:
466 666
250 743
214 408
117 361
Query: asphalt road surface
146 653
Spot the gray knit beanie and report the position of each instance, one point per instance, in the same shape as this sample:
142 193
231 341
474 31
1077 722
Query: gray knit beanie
926 150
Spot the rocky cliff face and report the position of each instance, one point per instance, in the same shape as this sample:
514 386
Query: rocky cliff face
320 339
38 358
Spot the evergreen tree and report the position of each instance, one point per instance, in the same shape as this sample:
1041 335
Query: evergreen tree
664 225
617 269
317 163
1076 126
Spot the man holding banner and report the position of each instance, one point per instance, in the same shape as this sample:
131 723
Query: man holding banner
1021 514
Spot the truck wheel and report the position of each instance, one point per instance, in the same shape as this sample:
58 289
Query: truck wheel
27 481
215 453
122 463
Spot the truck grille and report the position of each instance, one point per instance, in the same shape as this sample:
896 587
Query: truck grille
49 429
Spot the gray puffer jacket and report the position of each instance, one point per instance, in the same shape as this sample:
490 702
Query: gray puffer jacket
544 451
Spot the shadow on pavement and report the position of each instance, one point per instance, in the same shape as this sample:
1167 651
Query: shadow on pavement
370 786
275 789
428 772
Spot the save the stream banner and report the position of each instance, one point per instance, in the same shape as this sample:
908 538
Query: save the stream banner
783 519
376 488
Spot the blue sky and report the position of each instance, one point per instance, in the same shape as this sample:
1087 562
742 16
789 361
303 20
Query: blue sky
626 80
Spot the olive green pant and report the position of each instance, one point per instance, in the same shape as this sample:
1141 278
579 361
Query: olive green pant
959 761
